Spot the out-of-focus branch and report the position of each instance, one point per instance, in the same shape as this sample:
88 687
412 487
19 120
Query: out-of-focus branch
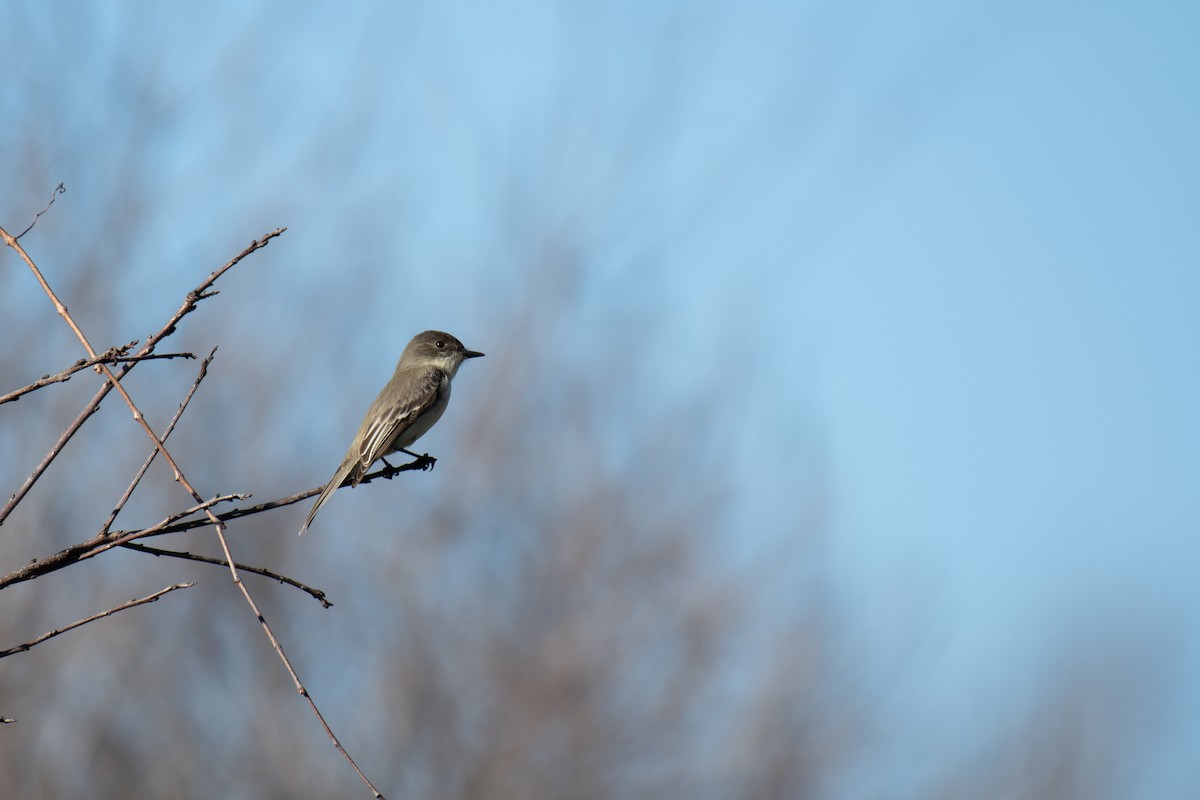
21 648
114 355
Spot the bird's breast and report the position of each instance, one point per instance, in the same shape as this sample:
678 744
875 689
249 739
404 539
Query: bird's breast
426 421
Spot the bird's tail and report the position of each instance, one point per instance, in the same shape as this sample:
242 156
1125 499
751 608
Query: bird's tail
327 492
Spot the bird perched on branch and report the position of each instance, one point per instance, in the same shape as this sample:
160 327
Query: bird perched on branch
408 406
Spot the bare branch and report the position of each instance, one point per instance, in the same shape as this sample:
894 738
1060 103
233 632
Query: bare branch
83 363
100 543
83 550
387 473
114 355
138 416
109 542
266 573
189 305
224 517
275 643
201 291
149 459
218 525
21 648
64 437
60 189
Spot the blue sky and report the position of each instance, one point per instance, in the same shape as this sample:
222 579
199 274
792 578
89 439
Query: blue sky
952 246
1006 335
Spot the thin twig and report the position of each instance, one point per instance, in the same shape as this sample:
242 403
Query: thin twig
150 459
102 542
266 573
95 546
189 305
64 437
59 377
275 643
224 516
21 648
114 355
108 542
138 416
60 189
98 544
386 473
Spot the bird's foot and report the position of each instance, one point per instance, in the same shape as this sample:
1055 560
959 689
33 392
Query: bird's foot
423 462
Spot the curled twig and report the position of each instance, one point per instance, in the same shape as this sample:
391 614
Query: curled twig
60 189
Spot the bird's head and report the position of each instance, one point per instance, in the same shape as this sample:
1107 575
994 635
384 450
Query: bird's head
439 349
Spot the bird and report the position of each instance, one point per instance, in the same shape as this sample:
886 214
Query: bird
406 408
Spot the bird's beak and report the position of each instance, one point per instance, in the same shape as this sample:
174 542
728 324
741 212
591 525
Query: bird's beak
472 354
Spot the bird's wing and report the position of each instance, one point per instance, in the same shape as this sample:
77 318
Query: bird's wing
391 420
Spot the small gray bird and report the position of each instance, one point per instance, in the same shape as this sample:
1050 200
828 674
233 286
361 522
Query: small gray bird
408 406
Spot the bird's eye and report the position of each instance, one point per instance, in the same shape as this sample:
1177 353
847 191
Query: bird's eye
440 344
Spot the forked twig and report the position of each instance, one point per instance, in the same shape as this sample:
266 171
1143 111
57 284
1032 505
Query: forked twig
21 648
94 547
150 458
104 542
114 355
188 306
